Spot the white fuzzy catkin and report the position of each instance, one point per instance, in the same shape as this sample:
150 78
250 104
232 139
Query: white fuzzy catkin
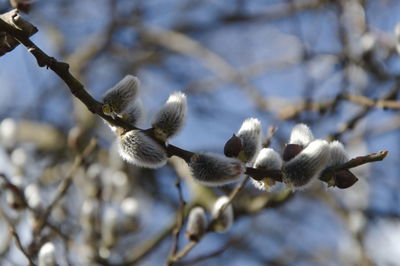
139 149
197 224
212 169
224 220
133 112
171 117
338 154
267 158
32 196
47 256
301 135
122 94
250 135
307 164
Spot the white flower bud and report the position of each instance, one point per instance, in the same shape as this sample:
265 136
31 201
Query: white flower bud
120 96
250 134
215 170
139 149
170 119
47 256
8 132
197 224
397 31
32 195
307 164
224 220
267 158
301 135
338 154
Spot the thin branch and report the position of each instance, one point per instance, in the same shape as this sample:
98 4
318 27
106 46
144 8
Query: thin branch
64 185
376 103
210 228
14 233
179 221
210 255
20 194
373 157
148 246
294 110
19 245
184 251
231 197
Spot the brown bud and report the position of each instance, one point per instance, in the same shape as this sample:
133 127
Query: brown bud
233 146
345 179
24 6
291 150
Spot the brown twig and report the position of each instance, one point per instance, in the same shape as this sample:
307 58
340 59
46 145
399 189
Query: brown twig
64 185
373 157
184 251
215 253
210 228
13 231
147 247
19 245
179 221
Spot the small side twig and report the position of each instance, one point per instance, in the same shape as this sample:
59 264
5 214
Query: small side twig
189 246
13 231
210 255
64 185
19 245
179 220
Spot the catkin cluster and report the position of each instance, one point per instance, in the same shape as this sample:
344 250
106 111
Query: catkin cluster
303 159
145 149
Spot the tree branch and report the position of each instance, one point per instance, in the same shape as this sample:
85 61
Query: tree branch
78 90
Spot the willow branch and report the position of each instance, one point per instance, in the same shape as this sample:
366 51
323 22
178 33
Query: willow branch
78 90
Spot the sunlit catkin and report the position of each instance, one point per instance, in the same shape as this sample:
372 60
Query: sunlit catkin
306 165
197 224
47 256
170 119
250 135
267 158
133 113
301 135
116 99
139 149
338 154
223 218
215 170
